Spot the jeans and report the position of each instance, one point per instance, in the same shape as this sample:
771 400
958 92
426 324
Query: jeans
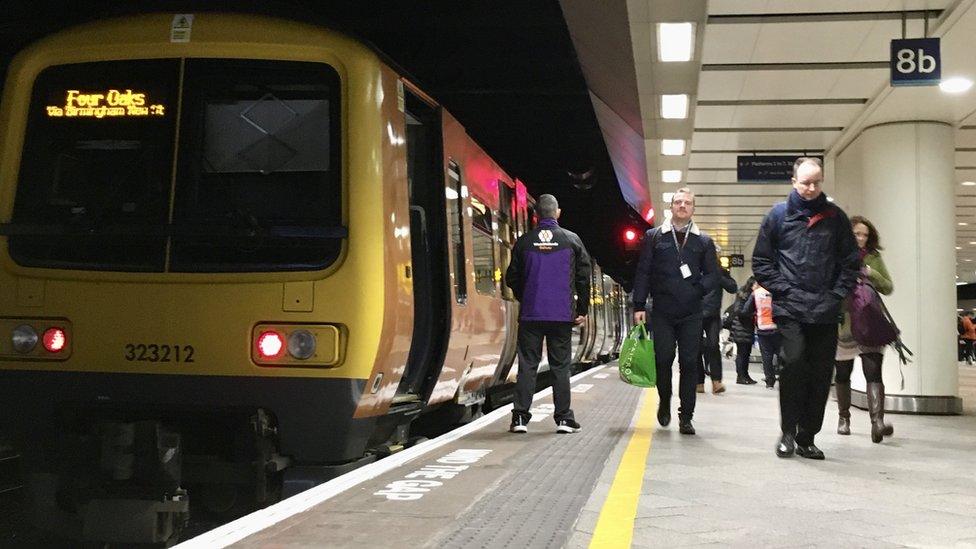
685 333
769 347
742 352
711 355
559 344
808 365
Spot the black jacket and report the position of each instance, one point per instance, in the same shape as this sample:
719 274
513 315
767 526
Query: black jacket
712 303
659 275
806 256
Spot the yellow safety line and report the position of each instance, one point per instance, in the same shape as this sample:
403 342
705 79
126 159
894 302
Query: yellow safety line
615 527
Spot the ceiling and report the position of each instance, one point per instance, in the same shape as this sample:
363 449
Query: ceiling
509 74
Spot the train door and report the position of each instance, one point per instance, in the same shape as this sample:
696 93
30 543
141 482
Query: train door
509 228
429 256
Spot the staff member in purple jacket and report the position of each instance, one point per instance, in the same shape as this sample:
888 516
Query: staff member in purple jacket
550 276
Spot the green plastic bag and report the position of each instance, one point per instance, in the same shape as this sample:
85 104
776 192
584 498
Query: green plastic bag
637 365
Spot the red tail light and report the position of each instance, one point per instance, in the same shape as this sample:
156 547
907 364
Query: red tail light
270 344
54 340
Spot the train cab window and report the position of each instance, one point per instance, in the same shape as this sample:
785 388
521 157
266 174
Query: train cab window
258 184
456 192
96 171
484 250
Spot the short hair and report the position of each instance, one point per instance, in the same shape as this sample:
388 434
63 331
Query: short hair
874 241
684 190
806 160
546 207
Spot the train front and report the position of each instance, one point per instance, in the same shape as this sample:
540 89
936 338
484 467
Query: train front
185 315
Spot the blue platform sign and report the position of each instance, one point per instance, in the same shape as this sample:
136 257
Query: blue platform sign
915 62
766 169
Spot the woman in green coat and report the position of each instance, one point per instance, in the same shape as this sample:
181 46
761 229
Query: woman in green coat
848 349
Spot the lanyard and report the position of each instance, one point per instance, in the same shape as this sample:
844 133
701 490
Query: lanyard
674 235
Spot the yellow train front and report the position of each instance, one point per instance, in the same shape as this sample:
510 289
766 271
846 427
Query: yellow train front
238 254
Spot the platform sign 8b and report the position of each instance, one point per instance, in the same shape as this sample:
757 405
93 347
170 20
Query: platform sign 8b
915 62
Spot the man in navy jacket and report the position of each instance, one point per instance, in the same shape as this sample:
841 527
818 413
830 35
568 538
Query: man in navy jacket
550 276
677 266
807 258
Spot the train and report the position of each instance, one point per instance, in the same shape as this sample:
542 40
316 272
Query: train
240 255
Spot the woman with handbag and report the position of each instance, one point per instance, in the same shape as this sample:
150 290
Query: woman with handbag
743 328
875 273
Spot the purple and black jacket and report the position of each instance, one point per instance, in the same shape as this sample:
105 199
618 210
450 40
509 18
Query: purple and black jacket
550 274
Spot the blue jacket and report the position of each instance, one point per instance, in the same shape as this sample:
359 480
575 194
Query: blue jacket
806 256
659 272
550 274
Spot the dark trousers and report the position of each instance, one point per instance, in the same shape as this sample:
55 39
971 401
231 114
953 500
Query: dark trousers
742 351
686 334
769 348
559 339
711 355
870 365
804 383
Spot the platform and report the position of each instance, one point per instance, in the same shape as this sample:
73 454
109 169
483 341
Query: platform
485 487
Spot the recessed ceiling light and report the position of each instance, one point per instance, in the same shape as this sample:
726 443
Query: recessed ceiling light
973 243
958 247
667 197
675 41
671 176
674 106
969 183
672 147
962 223
956 84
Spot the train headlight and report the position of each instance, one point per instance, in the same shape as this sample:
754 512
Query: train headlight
301 344
24 338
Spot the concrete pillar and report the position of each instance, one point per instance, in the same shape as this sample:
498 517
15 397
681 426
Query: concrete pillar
907 184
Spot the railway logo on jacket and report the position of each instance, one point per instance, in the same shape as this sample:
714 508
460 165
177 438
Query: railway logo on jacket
545 235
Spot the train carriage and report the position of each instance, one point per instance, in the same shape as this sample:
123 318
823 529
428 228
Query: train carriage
241 255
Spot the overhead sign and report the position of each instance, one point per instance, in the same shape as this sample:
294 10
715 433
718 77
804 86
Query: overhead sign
737 260
915 62
766 169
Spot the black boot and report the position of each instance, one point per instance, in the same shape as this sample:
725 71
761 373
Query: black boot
786 446
843 389
664 413
876 397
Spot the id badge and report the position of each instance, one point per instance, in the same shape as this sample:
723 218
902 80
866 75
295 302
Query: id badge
685 271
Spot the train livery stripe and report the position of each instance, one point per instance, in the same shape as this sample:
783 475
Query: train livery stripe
615 526
257 521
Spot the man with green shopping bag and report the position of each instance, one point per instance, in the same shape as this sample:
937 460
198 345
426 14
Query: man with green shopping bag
677 265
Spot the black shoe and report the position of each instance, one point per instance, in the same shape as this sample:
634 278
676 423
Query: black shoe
519 425
685 427
567 426
664 414
786 446
809 452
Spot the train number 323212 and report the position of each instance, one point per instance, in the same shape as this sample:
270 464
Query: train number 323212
153 352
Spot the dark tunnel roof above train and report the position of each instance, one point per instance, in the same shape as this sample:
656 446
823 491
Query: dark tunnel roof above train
509 74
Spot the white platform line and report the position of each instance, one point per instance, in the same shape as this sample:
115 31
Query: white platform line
253 523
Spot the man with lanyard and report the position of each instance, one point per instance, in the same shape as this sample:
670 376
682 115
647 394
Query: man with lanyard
677 265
